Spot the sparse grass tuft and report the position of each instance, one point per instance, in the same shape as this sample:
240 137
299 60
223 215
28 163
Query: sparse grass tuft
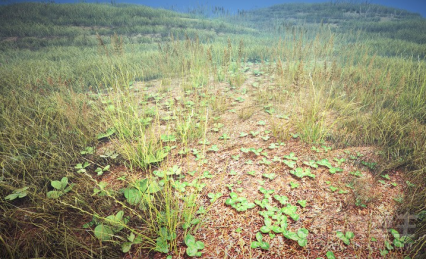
246 112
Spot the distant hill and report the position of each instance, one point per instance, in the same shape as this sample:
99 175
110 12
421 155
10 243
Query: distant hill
371 18
327 13
36 25
40 24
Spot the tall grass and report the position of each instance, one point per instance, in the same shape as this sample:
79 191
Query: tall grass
41 138
356 95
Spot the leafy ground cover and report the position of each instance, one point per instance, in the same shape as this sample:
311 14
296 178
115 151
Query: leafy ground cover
243 208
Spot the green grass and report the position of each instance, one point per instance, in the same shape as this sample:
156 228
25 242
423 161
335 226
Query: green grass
154 80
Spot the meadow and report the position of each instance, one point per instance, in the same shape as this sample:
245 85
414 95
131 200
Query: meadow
294 131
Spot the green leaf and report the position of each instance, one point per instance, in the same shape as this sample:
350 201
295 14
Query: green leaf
224 136
289 163
233 195
302 242
302 203
259 236
11 196
276 229
189 240
119 215
386 176
153 187
388 245
291 235
195 221
64 181
282 199
160 174
409 184
324 162
265 229
191 251
264 245
87 150
311 164
125 247
56 184
270 176
137 240
330 255
344 237
291 156
302 232
294 185
339 234
334 170
398 243
161 245
394 233
268 221
175 170
69 188
201 210
131 237
107 134
333 188
349 235
54 194
199 245
168 138
250 205
283 223
103 232
186 225
18 193
290 209
133 196
255 244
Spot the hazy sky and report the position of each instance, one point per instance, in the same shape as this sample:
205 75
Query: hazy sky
417 6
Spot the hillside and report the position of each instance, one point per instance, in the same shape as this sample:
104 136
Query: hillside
376 21
294 131
34 25
338 14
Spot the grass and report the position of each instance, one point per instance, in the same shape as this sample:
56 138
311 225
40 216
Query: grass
160 143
